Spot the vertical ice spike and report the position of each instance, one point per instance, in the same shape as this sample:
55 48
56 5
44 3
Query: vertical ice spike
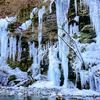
61 11
14 48
19 49
50 7
75 6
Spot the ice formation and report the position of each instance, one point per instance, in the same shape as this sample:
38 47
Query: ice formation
33 12
92 51
50 9
37 53
9 50
89 74
94 10
54 72
12 43
76 7
61 11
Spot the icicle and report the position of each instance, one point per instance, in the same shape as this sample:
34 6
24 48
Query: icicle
65 64
45 1
81 4
68 3
76 18
4 44
76 78
75 29
35 57
94 16
19 49
86 3
40 15
4 37
34 11
14 48
11 46
91 83
76 7
61 11
50 7
96 85
84 78
99 84
71 30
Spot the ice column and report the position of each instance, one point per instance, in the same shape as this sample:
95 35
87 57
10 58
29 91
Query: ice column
19 49
34 11
40 15
40 18
12 46
50 7
54 72
33 53
71 30
4 37
75 6
61 11
86 2
4 44
37 55
94 9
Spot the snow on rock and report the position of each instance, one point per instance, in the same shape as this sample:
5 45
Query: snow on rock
25 25
33 12
43 84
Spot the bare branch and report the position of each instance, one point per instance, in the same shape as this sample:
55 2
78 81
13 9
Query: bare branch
74 43
69 46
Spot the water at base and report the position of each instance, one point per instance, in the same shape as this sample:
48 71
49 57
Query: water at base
37 97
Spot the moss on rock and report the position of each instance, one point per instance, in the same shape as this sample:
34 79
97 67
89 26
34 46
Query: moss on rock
87 34
83 20
11 78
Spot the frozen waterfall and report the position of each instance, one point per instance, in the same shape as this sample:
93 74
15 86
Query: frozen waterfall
56 53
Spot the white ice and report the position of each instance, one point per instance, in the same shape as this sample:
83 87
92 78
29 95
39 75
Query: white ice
54 72
25 25
34 11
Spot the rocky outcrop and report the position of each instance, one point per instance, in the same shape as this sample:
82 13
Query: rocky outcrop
49 33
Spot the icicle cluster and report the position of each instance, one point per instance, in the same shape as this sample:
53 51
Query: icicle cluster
94 11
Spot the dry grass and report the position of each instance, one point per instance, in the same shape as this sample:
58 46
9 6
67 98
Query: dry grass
11 7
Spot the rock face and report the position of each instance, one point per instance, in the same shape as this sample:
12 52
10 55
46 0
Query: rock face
13 7
49 35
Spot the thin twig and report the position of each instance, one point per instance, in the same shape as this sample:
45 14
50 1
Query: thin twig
74 43
69 47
